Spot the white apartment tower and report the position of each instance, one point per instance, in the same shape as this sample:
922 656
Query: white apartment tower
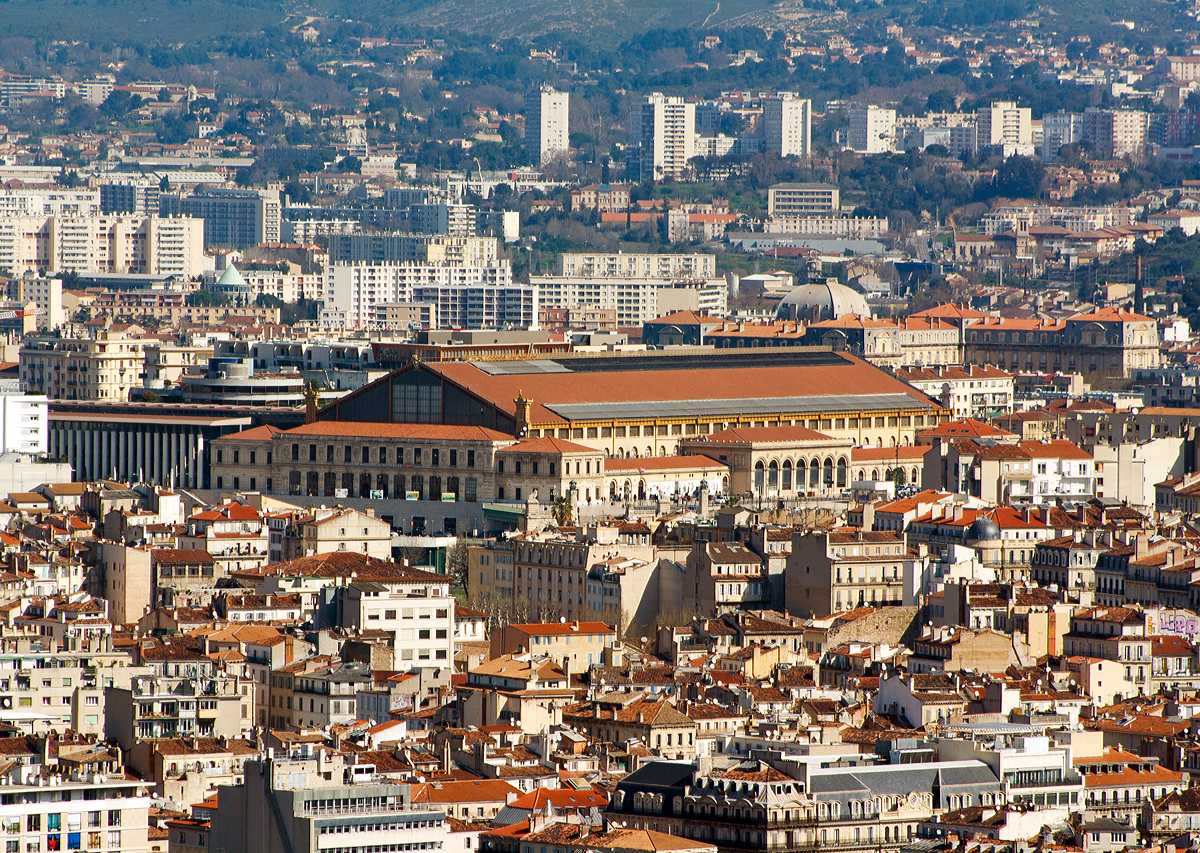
1115 134
1059 129
1003 123
787 121
547 124
665 129
872 130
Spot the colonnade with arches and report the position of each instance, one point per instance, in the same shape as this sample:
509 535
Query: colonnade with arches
807 474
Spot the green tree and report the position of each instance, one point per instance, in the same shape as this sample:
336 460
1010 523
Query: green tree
1020 177
564 513
205 297
350 164
457 565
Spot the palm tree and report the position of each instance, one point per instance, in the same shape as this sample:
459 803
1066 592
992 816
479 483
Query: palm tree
564 513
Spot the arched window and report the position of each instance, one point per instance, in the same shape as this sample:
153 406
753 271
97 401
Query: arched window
760 477
786 484
827 480
773 476
814 474
841 472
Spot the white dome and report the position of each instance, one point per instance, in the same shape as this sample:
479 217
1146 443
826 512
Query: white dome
816 302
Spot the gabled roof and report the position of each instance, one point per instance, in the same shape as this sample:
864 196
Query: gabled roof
465 791
265 432
345 564
967 428
546 444
560 798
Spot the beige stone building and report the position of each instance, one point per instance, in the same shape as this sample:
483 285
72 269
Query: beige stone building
553 574
1105 342
777 461
127 581
955 648
657 725
579 643
365 460
105 367
548 466
725 576
319 531
840 570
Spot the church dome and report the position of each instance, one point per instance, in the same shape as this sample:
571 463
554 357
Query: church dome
983 529
827 301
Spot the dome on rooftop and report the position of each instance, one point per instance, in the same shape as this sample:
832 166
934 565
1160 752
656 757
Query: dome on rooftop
983 529
826 301
231 278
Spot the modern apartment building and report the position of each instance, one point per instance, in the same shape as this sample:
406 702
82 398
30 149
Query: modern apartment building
137 195
87 810
1004 124
467 297
399 247
1115 134
637 300
635 264
117 243
803 199
40 201
105 367
196 702
546 124
417 609
872 130
44 687
24 426
787 124
1059 129
311 802
665 130
236 218
46 292
439 217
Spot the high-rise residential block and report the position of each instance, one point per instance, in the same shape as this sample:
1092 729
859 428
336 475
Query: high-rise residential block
787 122
1003 123
236 218
665 130
872 130
1115 134
547 124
